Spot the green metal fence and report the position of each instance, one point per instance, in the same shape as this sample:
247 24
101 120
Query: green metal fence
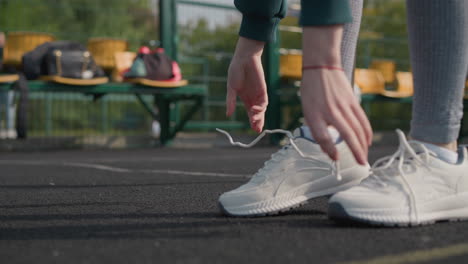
66 114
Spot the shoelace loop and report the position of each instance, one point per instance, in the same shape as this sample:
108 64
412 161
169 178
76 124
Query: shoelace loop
334 166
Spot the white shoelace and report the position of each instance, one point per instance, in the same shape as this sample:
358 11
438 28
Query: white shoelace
333 166
400 156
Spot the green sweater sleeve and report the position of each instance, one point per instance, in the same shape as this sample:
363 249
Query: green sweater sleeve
260 17
325 12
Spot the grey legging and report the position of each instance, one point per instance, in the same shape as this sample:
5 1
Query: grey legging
438 36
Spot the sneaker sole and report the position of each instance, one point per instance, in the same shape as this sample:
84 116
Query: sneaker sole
338 213
286 202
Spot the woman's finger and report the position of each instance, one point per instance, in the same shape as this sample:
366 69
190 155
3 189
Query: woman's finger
355 125
319 129
361 116
349 136
256 115
231 100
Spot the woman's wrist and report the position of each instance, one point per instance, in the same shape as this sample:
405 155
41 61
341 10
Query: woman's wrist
322 67
322 45
248 47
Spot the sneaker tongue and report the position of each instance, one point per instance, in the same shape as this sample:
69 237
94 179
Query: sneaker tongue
417 146
435 151
307 145
298 132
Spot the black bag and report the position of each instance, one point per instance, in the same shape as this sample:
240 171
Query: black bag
41 60
75 64
154 66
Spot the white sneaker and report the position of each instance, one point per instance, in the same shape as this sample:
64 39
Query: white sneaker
411 187
298 172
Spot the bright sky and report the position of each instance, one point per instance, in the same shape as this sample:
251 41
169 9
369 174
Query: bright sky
214 16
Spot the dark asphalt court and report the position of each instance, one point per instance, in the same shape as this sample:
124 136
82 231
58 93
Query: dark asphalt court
160 206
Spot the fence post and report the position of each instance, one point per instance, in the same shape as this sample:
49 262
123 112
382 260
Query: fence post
169 38
271 68
168 27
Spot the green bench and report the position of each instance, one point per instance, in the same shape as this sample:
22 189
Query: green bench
163 99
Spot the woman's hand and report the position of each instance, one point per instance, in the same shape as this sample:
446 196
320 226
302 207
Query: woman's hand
246 80
327 97
328 100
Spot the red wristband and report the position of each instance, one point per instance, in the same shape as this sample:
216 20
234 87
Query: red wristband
315 67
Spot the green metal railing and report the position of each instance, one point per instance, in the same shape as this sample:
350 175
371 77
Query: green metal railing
65 114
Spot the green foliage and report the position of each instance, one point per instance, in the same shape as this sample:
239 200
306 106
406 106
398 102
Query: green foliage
79 20
288 39
215 46
385 19
384 34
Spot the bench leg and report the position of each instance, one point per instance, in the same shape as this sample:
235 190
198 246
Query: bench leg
147 107
187 116
164 105
164 115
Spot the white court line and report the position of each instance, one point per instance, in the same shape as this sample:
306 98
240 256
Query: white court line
96 166
161 159
196 173
120 170
164 159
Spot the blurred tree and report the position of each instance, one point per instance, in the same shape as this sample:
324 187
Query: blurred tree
290 39
384 34
215 45
81 19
